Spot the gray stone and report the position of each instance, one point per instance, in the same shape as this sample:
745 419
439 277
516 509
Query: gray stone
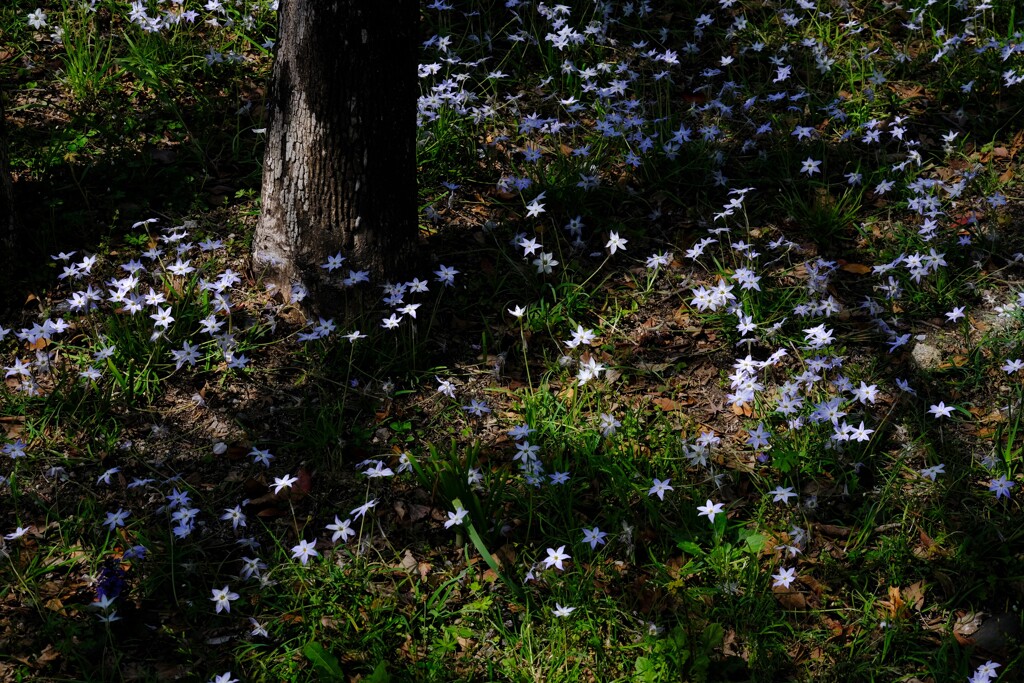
926 356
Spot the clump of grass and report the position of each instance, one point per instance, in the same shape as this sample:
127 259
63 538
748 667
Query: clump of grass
551 456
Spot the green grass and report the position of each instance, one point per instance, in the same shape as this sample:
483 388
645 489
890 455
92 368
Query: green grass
117 125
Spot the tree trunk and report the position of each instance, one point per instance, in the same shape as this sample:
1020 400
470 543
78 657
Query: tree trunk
339 171
8 224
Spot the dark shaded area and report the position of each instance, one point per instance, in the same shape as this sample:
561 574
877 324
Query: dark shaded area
8 220
147 139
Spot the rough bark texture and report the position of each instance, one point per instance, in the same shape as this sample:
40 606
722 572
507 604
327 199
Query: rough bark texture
340 167
8 225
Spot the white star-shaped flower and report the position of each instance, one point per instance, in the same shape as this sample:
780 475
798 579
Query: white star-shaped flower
222 597
615 243
660 488
555 558
342 530
710 509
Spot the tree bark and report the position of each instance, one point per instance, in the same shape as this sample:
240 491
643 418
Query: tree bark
8 222
339 170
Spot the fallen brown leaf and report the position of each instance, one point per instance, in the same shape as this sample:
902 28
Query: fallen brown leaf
743 410
914 595
895 605
790 599
835 627
305 482
832 530
665 404
408 562
956 361
966 625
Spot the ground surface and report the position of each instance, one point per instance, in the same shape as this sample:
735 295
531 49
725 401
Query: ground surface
731 460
